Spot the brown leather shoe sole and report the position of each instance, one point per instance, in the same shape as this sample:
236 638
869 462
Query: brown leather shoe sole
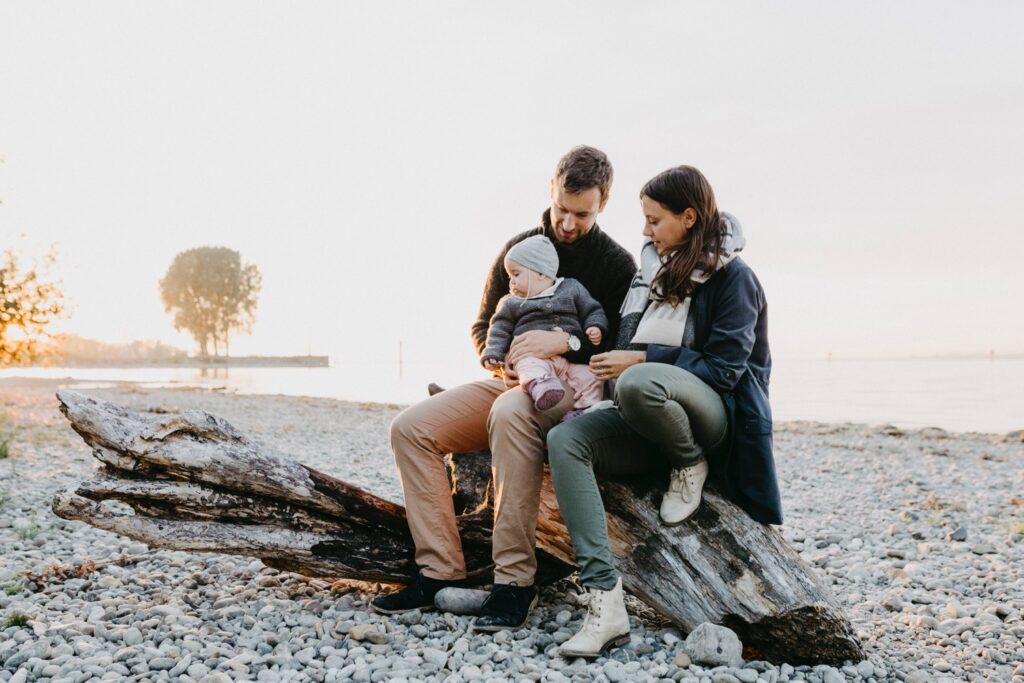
617 641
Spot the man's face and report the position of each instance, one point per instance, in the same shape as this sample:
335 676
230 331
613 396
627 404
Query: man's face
573 215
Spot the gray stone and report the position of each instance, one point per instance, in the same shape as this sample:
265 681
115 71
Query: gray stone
832 675
463 601
217 677
368 632
713 645
161 663
411 617
181 666
682 660
438 658
960 534
614 672
892 602
197 670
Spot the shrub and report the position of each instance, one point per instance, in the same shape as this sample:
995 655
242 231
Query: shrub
15 619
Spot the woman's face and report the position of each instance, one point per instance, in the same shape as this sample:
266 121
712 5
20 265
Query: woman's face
665 228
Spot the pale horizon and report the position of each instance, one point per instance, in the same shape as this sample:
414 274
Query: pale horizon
371 159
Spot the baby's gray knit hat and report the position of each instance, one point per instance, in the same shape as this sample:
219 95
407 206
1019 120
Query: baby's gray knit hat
536 253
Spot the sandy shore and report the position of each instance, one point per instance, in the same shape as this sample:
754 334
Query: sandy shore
919 534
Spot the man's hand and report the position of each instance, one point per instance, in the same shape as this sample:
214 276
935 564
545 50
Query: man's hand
594 335
542 344
613 363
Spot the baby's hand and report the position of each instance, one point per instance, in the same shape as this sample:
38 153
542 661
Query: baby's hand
594 335
493 364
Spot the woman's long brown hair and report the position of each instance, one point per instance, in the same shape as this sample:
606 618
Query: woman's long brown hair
679 189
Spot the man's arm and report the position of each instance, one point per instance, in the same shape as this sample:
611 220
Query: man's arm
621 276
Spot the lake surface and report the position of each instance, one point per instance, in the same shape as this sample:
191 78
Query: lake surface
956 395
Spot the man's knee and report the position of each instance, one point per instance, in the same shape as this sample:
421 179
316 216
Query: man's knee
404 429
512 408
515 433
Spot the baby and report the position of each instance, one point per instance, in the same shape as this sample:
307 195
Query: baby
540 300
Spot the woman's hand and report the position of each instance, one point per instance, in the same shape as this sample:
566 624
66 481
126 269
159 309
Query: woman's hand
613 363
541 344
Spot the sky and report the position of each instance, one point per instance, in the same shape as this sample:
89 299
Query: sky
372 157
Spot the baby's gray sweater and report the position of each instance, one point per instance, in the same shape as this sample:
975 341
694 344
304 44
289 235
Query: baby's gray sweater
570 308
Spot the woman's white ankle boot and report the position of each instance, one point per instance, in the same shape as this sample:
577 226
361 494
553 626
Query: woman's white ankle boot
606 624
683 496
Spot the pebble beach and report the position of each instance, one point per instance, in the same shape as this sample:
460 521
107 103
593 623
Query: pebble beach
920 535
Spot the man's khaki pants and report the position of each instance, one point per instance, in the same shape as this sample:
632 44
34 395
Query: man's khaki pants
469 418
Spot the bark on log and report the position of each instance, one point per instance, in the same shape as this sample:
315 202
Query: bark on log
193 482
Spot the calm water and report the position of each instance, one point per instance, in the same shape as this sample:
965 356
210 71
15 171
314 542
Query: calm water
957 395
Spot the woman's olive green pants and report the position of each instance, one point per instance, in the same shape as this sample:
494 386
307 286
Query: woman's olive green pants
666 417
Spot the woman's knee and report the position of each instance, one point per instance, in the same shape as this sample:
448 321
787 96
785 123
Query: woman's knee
566 445
639 384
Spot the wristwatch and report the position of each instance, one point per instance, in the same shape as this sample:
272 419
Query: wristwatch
573 342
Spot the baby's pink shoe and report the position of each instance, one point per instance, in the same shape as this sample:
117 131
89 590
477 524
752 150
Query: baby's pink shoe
546 392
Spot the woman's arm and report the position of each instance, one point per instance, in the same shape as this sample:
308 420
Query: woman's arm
723 360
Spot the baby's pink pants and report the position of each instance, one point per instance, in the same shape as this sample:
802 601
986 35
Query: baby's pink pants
588 388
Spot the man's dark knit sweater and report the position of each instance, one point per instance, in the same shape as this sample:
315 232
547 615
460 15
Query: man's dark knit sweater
596 260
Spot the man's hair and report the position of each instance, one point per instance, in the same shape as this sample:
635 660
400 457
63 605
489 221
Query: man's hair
583 168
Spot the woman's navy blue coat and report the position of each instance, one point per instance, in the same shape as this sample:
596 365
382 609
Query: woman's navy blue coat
730 353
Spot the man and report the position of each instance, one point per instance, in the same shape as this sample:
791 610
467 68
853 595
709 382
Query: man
487 414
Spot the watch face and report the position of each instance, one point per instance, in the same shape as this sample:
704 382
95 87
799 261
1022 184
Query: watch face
574 343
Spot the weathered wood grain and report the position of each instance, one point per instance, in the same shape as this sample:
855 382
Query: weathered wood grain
192 482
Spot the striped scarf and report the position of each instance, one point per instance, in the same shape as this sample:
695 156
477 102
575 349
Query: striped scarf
645 320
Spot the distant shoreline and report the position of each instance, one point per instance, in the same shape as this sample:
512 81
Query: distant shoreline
199 363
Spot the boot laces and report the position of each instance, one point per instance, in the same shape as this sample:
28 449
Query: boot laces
682 482
592 601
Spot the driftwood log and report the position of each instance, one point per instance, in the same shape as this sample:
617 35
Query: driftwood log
192 482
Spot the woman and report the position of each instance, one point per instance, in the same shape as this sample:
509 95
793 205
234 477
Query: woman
691 367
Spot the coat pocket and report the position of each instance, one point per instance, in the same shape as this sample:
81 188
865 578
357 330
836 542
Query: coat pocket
757 426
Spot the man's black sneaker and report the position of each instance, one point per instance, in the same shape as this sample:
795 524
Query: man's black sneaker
417 595
508 606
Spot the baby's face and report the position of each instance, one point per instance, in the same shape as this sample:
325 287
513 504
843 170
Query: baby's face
525 282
